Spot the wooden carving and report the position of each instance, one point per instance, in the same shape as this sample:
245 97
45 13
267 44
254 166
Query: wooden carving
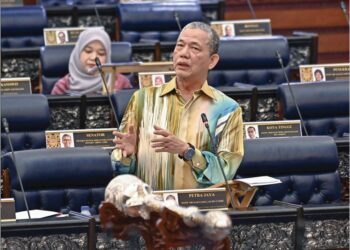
130 207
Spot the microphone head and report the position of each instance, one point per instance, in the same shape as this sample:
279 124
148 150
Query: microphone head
98 62
204 118
278 54
5 124
342 5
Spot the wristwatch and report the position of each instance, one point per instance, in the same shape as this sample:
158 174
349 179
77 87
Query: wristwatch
189 153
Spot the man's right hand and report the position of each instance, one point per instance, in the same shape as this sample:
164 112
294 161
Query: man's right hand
126 142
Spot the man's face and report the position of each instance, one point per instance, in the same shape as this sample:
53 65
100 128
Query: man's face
191 57
318 76
62 37
158 81
228 30
67 141
251 133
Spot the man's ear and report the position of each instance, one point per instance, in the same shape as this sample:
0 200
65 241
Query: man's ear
214 58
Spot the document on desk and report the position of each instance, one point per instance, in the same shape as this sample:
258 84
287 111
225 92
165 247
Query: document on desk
35 214
259 181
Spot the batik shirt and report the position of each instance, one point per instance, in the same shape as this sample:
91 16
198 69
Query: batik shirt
165 107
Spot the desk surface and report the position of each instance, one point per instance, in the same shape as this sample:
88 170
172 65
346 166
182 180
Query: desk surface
254 215
48 225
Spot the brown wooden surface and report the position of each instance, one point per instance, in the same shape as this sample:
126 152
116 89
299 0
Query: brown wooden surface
6 189
324 17
164 230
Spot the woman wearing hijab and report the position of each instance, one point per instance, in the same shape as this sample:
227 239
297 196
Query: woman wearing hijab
92 43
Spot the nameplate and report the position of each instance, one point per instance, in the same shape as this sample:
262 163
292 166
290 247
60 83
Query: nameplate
102 138
255 130
205 199
11 3
156 79
229 29
16 86
63 36
324 72
8 211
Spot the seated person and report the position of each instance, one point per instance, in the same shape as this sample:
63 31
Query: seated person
92 43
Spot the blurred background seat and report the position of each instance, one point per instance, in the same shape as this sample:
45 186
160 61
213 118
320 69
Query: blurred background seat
307 167
60 180
154 21
22 27
250 61
28 117
324 106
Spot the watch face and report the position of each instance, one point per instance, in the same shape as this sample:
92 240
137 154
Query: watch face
189 154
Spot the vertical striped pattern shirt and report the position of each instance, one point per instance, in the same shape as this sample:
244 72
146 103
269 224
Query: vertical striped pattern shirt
164 106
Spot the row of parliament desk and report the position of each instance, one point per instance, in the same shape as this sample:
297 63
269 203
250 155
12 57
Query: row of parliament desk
267 227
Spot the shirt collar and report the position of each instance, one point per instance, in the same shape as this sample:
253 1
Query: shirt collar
171 86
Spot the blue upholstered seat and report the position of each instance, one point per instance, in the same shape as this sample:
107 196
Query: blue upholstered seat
55 59
155 21
250 60
324 106
28 117
120 101
75 2
307 167
22 27
60 179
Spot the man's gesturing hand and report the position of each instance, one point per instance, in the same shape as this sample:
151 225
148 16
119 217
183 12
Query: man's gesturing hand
167 142
127 142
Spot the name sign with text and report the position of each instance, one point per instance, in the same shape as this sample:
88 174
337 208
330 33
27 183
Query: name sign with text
324 72
16 86
11 3
63 36
204 199
80 138
255 130
8 211
156 79
229 29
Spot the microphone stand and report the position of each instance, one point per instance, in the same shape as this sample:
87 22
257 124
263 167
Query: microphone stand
291 91
251 9
98 64
228 189
176 16
7 131
343 7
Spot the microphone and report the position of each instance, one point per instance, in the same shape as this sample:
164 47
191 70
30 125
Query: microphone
7 131
98 16
99 66
291 91
343 7
251 9
228 189
177 19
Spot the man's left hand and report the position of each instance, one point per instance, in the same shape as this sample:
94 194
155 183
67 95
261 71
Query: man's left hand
167 142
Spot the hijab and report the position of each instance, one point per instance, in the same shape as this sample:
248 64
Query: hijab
81 82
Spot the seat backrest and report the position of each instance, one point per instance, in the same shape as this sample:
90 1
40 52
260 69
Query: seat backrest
55 60
22 27
120 101
75 2
250 60
307 167
324 106
60 179
28 117
155 21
